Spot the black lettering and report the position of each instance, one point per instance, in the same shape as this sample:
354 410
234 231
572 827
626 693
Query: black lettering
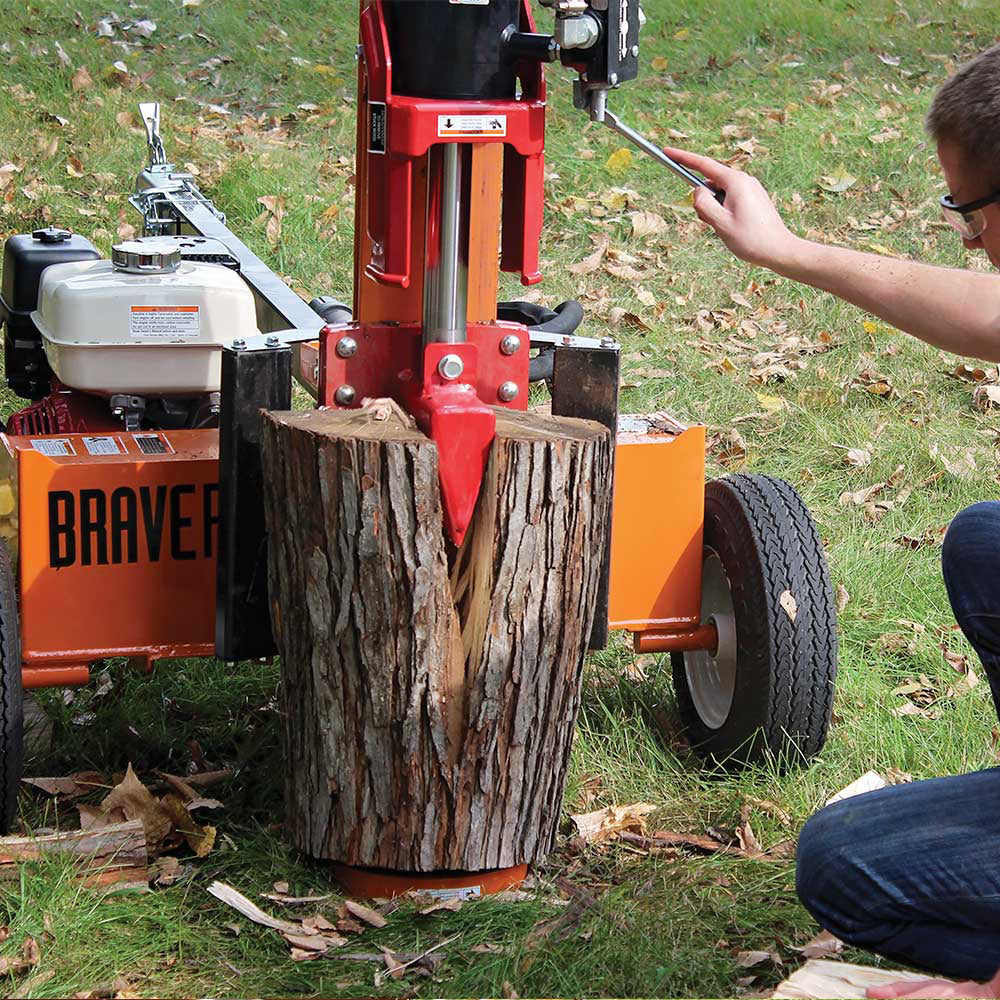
179 521
62 529
211 515
93 527
124 522
152 519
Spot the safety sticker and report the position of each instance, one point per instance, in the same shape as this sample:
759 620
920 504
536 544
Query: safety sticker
165 322
376 127
53 447
465 125
459 892
101 446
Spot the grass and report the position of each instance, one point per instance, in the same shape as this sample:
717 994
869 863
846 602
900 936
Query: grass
812 82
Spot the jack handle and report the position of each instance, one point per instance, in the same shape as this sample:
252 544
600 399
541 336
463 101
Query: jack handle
599 113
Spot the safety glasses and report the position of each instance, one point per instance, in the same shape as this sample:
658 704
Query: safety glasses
967 220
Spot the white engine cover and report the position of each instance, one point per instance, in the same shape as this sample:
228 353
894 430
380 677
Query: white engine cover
107 332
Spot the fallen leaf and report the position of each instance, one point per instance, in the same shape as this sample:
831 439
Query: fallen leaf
748 959
134 799
789 604
364 913
647 224
619 161
837 181
843 597
589 264
771 807
960 464
824 945
81 79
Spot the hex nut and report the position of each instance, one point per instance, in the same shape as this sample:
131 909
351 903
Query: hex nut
450 367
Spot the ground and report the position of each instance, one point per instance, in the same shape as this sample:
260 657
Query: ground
822 100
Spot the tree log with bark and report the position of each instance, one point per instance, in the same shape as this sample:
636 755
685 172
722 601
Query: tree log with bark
430 695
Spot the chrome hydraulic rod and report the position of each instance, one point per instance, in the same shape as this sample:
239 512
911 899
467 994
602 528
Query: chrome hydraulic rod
446 261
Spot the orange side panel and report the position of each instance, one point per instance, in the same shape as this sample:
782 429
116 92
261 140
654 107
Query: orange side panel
657 527
117 550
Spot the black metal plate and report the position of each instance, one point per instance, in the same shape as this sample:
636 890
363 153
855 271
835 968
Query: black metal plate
251 381
585 385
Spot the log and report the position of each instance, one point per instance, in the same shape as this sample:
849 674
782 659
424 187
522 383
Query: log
106 855
429 696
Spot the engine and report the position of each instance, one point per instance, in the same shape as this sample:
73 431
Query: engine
128 343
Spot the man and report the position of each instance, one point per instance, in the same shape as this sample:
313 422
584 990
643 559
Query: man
912 872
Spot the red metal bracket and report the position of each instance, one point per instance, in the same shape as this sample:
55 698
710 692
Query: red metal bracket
390 360
410 126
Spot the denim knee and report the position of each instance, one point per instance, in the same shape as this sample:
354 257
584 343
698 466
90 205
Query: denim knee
972 541
818 859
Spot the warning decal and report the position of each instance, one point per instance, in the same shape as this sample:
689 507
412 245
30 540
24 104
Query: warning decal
467 125
53 447
101 446
164 322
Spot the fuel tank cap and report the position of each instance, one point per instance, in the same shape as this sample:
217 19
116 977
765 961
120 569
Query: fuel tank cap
148 255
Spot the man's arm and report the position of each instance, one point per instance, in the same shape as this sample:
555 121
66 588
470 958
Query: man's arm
953 309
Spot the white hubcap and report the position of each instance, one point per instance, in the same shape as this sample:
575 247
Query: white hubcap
712 678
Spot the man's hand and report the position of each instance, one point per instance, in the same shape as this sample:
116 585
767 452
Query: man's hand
933 989
748 223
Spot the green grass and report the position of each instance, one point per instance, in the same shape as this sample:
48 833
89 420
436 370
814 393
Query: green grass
661 926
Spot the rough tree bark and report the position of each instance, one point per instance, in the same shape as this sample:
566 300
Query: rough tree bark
429 695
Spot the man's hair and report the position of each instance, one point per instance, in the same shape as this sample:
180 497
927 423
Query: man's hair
966 111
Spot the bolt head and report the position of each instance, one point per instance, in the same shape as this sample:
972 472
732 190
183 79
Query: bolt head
239 344
345 395
450 367
347 347
613 79
272 341
507 392
510 344
635 50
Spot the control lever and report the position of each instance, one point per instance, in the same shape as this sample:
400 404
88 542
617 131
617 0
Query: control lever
150 114
599 113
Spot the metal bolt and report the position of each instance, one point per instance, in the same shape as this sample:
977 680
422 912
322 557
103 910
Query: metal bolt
450 367
510 344
272 341
613 79
635 50
344 396
347 347
239 344
507 392
607 341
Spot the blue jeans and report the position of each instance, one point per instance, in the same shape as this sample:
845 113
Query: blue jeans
912 872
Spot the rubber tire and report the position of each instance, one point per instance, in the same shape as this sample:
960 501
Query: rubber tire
11 696
786 669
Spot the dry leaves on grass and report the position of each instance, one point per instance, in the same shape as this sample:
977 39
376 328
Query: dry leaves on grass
824 945
274 212
307 939
27 958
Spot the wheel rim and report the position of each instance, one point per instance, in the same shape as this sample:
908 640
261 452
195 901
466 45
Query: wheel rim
711 679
